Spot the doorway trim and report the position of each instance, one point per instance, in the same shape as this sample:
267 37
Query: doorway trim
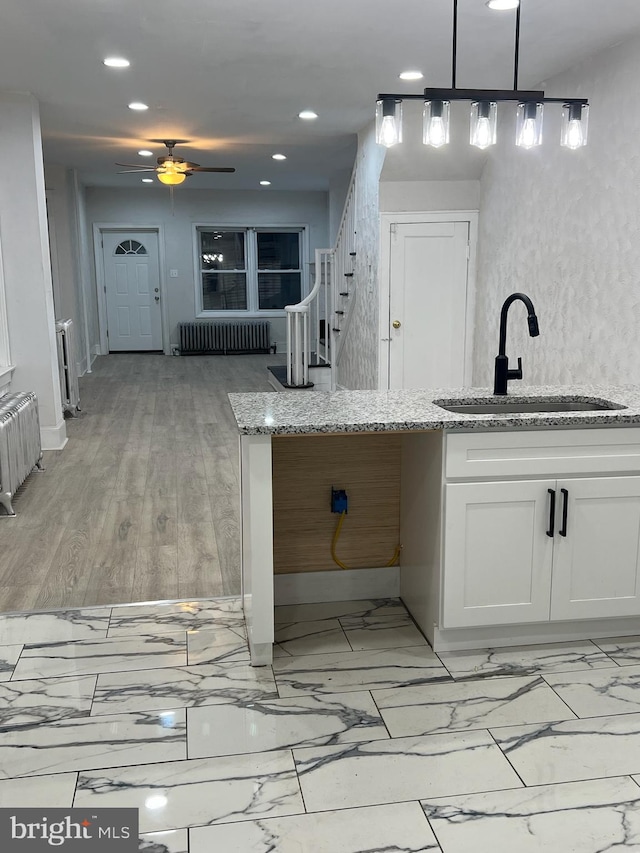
421 217
100 228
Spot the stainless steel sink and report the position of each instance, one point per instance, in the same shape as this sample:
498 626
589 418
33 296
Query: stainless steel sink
492 406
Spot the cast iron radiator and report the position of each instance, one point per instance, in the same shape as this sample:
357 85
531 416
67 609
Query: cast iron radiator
69 387
20 448
220 338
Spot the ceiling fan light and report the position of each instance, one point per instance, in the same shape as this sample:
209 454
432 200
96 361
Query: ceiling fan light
171 178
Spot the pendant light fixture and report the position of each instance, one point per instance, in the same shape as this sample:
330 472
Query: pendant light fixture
435 124
484 107
389 121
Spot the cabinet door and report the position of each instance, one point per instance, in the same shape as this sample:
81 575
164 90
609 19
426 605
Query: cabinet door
497 556
596 566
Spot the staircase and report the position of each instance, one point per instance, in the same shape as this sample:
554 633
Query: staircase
317 326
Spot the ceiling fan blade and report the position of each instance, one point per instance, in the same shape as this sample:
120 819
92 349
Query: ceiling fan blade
141 166
133 171
212 169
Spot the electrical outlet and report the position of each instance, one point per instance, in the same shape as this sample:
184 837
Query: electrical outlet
339 500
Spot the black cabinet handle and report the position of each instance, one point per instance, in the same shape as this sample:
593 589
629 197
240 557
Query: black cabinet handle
552 511
565 505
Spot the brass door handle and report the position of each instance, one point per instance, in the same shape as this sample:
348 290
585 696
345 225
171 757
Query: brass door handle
396 324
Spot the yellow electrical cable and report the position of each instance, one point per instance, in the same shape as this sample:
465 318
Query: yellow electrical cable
334 543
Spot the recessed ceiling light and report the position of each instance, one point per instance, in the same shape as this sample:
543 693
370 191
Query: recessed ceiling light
147 180
411 75
503 5
265 183
145 153
116 62
138 105
308 114
278 156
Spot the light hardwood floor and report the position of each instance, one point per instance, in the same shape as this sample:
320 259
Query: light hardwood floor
142 504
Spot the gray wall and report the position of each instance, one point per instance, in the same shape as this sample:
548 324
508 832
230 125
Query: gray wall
151 206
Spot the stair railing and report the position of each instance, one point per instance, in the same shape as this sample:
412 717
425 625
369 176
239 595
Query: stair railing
299 351
329 305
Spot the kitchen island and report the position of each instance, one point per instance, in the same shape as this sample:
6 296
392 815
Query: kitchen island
515 528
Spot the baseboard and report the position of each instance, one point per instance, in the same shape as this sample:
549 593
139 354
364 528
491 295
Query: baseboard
343 585
499 636
55 437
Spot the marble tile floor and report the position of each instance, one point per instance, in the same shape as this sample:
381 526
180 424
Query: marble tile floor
359 739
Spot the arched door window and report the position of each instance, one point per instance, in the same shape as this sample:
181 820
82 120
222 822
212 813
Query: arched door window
130 247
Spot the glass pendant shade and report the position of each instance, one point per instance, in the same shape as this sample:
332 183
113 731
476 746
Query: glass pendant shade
484 118
575 125
435 126
529 124
388 122
172 179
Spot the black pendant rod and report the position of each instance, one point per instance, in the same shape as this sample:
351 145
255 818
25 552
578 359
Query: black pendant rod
516 54
454 46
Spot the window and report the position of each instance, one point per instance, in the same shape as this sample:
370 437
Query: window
249 269
130 247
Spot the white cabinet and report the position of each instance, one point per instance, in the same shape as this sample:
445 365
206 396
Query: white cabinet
596 566
497 556
530 550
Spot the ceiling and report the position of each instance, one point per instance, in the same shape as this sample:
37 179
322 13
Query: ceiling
231 77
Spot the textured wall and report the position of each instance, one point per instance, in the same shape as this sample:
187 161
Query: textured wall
358 364
564 227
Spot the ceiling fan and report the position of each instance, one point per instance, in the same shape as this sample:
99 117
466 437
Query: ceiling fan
171 170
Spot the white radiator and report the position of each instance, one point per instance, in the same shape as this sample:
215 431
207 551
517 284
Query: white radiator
20 448
69 388
226 337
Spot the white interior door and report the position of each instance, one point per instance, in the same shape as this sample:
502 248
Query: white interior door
428 303
132 290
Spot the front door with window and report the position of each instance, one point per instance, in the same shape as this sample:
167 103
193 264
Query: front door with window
132 290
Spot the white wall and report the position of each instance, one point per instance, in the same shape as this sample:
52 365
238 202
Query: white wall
338 188
27 266
358 363
399 196
564 227
151 206
63 233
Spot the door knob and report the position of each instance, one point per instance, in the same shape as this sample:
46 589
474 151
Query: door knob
157 299
396 324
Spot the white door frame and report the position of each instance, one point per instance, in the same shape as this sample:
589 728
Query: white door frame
100 228
384 288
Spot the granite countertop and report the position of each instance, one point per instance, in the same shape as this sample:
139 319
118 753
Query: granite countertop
314 412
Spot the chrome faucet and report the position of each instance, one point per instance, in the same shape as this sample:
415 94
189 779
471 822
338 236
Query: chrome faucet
502 372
